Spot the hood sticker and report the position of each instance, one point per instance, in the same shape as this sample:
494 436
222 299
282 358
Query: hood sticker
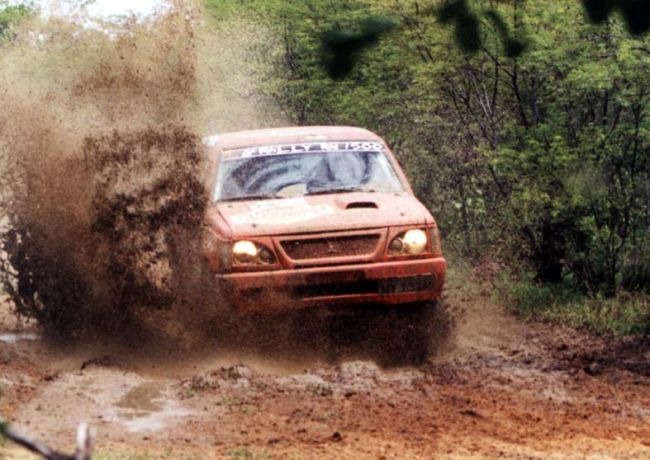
281 212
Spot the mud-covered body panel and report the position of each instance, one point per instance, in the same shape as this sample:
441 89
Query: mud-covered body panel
328 249
349 211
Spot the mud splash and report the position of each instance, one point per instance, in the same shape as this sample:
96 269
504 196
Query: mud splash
144 204
100 168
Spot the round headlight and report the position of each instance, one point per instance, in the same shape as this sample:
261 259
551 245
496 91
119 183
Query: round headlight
415 241
244 250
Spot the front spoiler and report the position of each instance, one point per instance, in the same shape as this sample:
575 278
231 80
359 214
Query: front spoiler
392 283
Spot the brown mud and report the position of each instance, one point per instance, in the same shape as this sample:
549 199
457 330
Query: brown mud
83 277
102 171
499 389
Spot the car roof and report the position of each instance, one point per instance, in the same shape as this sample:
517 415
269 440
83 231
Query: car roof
289 135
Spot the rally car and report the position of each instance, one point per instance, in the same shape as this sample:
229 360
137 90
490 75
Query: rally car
317 217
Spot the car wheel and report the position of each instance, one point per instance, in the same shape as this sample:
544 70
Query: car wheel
402 334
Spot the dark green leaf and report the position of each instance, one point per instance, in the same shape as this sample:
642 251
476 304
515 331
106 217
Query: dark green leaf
636 14
599 10
341 48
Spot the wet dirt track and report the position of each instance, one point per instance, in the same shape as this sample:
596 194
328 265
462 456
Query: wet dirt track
503 389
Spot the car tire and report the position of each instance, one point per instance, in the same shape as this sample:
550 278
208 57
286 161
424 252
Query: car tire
401 334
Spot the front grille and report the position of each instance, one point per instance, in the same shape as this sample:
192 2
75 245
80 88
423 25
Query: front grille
338 246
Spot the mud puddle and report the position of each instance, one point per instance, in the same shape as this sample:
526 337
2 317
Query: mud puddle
149 407
116 402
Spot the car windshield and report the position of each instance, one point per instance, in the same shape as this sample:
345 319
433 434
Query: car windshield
298 170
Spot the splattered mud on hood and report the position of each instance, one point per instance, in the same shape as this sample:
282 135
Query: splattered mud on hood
101 164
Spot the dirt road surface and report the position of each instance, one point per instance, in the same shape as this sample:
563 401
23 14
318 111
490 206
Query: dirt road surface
500 389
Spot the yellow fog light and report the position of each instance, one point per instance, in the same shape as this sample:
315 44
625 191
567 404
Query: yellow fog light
244 251
415 241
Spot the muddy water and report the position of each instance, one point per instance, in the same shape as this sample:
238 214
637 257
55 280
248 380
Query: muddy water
149 407
112 401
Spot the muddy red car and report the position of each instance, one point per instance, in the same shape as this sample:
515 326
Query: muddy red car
317 217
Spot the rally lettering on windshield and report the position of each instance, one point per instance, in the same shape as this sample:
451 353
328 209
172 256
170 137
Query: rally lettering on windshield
311 147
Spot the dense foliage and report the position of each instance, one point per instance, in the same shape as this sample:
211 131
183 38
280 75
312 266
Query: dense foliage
541 158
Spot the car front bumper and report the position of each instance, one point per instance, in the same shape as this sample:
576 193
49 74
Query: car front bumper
392 283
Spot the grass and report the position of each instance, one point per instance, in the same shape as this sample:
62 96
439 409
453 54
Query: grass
622 315
625 314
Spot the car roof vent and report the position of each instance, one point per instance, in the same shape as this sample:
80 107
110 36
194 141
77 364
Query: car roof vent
361 205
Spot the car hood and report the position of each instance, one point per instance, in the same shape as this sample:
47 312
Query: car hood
319 213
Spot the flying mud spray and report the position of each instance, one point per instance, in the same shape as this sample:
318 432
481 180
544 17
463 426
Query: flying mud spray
102 167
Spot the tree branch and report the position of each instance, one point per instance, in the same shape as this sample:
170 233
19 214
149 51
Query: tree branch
84 443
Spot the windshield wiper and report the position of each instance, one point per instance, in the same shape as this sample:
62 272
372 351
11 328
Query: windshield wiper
249 197
340 190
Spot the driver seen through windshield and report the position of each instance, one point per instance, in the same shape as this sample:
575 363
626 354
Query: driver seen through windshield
274 173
